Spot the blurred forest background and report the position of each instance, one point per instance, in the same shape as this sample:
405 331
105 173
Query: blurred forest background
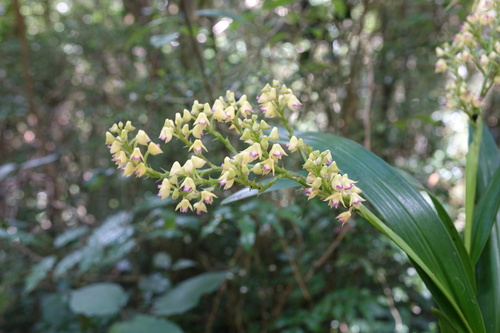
83 249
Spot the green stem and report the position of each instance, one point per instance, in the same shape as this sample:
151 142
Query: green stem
471 166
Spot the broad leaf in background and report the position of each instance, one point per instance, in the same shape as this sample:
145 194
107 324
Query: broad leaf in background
408 214
145 323
247 232
488 266
38 273
187 294
98 299
160 40
281 184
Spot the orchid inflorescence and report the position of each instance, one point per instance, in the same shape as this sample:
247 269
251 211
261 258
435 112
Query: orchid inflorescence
262 158
472 48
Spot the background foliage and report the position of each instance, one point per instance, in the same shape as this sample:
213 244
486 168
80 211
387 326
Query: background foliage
83 250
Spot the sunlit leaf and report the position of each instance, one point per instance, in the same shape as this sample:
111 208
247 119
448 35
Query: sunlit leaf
98 299
160 40
67 263
38 273
187 294
69 236
145 323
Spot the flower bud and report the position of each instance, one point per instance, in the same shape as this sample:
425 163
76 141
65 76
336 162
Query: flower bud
154 149
110 138
197 162
176 167
185 131
129 127
142 138
264 142
274 135
186 116
166 134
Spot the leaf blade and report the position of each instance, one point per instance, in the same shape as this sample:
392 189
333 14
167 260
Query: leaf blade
407 213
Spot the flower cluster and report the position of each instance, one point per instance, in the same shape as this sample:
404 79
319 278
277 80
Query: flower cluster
262 156
472 48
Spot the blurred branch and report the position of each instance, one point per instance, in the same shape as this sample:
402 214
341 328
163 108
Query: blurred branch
27 251
29 85
296 271
318 263
187 9
390 302
370 87
220 293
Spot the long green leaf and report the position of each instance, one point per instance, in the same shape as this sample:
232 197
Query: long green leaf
485 216
488 266
407 213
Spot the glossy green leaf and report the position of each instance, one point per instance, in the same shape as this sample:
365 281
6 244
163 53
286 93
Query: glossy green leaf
98 299
145 323
485 215
488 266
411 218
444 323
488 277
187 294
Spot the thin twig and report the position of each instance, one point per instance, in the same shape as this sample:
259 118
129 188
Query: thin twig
220 293
318 263
390 302
296 271
186 8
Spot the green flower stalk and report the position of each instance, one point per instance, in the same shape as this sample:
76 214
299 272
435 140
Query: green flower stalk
475 47
262 155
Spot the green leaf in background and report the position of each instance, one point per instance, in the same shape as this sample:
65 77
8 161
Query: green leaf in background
222 13
69 235
488 266
138 33
38 273
160 40
145 323
98 299
415 222
187 294
247 232
281 184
